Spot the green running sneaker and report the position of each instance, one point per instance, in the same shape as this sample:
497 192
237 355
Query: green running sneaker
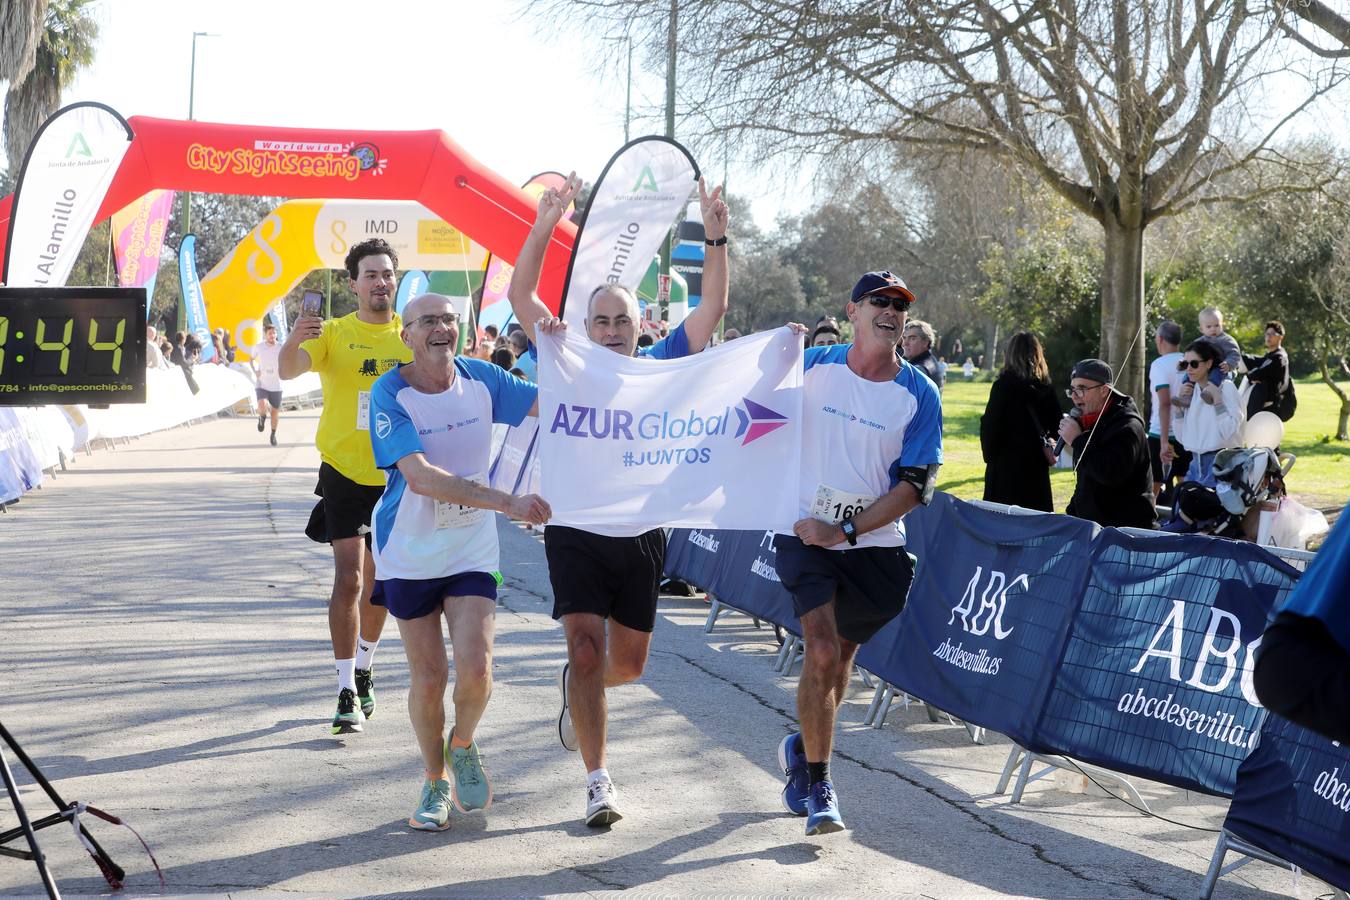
365 691
471 788
349 718
433 814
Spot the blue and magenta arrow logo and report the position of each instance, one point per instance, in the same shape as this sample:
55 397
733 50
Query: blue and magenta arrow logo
757 420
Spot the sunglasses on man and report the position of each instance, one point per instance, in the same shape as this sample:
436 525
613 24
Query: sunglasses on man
881 301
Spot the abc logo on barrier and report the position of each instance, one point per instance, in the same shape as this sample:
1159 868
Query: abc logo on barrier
992 603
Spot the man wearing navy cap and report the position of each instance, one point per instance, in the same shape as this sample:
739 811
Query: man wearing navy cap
1110 451
873 427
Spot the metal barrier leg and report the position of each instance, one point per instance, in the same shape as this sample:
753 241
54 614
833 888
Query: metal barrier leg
875 706
885 706
784 652
714 610
1013 755
1215 866
1023 776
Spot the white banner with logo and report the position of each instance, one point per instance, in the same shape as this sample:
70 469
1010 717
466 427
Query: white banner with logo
62 184
712 440
641 193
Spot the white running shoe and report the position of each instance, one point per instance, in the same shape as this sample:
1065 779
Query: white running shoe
566 732
602 804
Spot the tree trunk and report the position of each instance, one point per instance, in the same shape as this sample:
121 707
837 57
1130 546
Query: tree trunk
1343 422
991 345
1122 341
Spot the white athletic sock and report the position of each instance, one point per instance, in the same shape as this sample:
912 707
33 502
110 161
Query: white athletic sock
365 653
346 672
600 774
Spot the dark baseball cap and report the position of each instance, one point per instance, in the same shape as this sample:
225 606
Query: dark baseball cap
873 282
1093 370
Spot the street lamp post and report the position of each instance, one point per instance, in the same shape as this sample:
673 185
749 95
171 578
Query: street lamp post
187 195
192 97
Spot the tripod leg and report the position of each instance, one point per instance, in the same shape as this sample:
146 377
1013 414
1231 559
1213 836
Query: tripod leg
105 861
38 859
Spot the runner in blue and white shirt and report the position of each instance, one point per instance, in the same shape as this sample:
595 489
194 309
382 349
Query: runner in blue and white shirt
435 540
872 444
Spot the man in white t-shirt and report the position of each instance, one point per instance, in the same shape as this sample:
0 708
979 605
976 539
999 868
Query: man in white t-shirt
266 362
872 446
435 540
1168 458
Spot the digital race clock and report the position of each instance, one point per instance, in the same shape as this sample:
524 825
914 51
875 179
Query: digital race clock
72 345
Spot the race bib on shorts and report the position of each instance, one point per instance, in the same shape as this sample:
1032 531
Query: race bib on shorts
834 505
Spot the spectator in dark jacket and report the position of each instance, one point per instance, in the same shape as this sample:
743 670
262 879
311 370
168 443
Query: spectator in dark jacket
1269 374
1021 413
917 345
1110 451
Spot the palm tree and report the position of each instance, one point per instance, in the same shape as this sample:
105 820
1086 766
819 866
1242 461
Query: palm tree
20 28
66 47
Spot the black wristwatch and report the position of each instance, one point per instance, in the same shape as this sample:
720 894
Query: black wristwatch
715 243
850 533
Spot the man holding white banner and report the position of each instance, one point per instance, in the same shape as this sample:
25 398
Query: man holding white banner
873 444
606 573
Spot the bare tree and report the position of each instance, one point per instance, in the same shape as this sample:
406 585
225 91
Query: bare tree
1129 109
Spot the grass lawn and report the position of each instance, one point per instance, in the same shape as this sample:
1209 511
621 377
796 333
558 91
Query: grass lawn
1320 478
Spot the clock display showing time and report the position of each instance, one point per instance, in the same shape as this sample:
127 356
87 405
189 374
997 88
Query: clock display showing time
72 345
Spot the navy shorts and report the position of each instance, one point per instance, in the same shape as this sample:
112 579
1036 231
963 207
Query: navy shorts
272 397
413 598
868 584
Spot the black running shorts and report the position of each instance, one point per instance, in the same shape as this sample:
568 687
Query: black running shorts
344 507
868 584
613 577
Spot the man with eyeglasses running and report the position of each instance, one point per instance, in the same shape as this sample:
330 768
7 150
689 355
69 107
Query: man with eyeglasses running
605 579
872 445
1110 451
435 543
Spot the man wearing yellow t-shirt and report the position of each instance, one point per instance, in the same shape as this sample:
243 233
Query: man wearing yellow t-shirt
349 354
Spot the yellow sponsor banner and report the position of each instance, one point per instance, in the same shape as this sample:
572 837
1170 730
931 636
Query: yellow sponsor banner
300 236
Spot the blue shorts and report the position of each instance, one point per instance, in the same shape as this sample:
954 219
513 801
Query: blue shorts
413 598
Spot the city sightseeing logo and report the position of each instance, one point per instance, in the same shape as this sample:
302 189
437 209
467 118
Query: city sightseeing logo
305 159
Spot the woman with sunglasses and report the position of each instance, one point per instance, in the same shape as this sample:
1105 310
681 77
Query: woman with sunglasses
1211 414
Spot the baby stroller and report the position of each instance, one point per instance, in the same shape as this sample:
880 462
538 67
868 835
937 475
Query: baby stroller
1246 477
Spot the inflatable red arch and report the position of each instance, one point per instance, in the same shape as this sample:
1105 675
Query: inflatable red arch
314 163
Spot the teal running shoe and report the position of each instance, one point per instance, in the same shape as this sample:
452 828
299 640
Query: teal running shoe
433 813
471 787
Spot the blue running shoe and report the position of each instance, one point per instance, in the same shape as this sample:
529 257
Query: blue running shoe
822 810
792 760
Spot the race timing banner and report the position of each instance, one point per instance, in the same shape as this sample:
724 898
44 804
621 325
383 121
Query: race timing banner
705 441
61 186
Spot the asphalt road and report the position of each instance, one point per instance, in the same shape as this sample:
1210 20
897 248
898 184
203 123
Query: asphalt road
168 661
